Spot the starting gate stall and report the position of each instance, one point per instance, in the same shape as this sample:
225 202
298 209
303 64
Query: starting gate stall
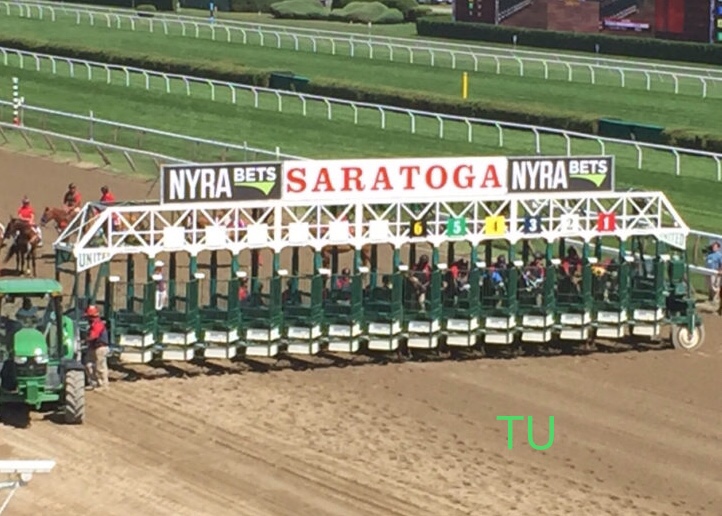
422 307
610 291
303 304
178 322
499 295
649 289
220 319
343 311
537 295
383 302
574 292
131 311
461 299
483 208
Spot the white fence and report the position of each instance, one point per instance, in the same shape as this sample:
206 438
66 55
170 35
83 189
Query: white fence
74 141
93 126
332 108
706 82
420 42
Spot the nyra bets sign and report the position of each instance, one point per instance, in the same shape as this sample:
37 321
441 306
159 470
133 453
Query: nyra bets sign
220 182
398 179
565 174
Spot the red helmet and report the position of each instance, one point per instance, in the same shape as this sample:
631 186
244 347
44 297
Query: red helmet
92 311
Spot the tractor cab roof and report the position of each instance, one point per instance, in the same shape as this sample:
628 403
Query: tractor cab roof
30 287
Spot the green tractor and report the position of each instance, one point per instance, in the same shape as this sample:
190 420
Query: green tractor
39 349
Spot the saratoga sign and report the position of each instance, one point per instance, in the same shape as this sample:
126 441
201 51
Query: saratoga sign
397 179
220 182
567 174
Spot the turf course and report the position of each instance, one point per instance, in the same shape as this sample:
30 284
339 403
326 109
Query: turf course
528 93
313 135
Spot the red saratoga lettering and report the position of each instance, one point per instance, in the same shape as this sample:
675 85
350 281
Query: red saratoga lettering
429 175
468 178
323 180
409 178
296 176
352 175
382 176
491 175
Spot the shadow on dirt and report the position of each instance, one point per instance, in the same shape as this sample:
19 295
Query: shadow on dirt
15 415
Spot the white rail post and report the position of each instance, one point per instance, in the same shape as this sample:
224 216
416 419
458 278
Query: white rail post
17 102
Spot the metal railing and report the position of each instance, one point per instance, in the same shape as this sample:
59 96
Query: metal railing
504 50
94 127
74 142
331 107
706 82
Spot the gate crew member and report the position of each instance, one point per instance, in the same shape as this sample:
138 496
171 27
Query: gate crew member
98 347
161 290
71 200
714 262
27 213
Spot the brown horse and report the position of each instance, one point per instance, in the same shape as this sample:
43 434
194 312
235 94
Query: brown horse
60 216
25 243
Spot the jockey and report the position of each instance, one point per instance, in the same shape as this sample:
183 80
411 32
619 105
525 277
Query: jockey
27 213
71 200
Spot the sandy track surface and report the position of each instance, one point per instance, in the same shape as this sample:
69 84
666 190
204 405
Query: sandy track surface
636 433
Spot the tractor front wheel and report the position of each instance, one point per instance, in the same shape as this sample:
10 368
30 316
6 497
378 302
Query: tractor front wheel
74 408
687 340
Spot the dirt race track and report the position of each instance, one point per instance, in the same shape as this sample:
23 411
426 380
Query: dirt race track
636 433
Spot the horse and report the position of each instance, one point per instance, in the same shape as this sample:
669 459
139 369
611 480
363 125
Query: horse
24 245
60 216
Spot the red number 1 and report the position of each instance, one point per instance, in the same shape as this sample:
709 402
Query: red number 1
606 222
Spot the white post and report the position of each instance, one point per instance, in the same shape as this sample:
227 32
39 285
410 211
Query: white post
17 102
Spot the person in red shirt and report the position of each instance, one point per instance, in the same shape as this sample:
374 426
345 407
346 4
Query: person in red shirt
98 348
71 200
343 282
243 291
107 196
27 213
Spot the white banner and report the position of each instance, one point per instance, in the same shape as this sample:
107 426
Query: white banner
395 179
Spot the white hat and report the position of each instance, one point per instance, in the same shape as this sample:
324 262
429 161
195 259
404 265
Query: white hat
159 263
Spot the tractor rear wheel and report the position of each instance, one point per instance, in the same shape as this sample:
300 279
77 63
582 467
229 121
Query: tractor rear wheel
74 408
682 338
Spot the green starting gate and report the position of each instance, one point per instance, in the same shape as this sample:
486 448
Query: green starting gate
630 274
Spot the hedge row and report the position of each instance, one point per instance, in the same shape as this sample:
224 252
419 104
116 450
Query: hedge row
356 92
443 27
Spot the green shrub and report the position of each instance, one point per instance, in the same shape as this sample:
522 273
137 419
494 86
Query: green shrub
405 6
299 10
367 12
417 12
252 6
443 27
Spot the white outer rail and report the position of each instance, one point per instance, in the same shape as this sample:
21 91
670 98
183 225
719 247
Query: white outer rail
706 82
442 120
93 121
